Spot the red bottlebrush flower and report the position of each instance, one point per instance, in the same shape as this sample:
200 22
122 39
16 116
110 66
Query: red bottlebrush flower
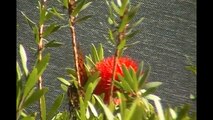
105 67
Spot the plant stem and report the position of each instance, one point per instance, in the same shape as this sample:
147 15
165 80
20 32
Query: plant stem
121 36
71 7
40 48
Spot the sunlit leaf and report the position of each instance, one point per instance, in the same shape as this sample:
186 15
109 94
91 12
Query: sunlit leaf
92 108
56 13
94 52
65 3
64 87
92 79
29 118
55 106
158 105
65 82
36 34
34 97
152 85
115 7
135 112
31 81
43 108
23 59
100 51
124 7
142 78
125 84
107 112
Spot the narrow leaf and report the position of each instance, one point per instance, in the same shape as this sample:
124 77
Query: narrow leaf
43 108
50 29
42 11
29 21
92 108
64 87
152 85
85 6
107 112
128 77
29 118
115 8
124 7
34 97
23 59
100 52
53 43
142 78
84 18
65 3
138 22
78 8
94 52
41 66
53 110
65 82
31 81
56 13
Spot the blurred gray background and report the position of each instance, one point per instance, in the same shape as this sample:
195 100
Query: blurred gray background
167 35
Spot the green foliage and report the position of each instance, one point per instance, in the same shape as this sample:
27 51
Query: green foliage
134 94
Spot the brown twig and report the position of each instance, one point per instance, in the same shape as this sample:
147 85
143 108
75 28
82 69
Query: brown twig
71 7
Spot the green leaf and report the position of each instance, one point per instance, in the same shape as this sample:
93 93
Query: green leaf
191 68
125 84
64 87
29 118
23 59
121 44
36 34
94 52
53 43
122 105
128 77
90 89
56 13
29 21
111 37
41 66
115 8
65 3
34 97
110 21
18 72
192 97
135 112
65 82
82 109
79 20
53 110
71 71
132 34
183 112
85 6
50 29
152 85
133 11
124 7
92 108
142 78
158 106
42 11
138 22
92 79
107 112
78 8
43 108
100 52
89 61
124 21
31 81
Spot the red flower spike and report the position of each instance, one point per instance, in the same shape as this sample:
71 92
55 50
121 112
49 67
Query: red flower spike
105 67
